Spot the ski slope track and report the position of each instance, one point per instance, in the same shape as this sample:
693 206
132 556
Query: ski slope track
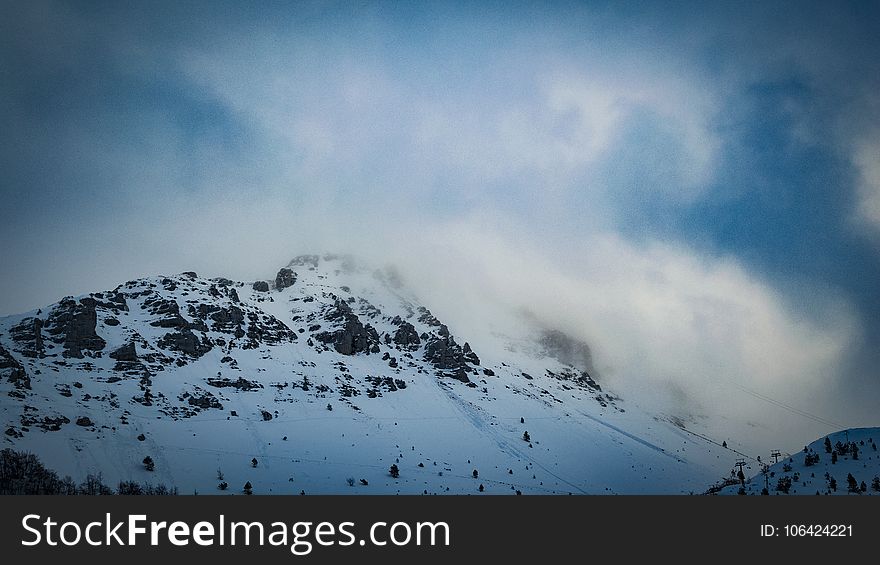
317 381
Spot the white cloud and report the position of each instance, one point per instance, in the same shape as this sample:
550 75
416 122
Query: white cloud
658 318
554 130
866 158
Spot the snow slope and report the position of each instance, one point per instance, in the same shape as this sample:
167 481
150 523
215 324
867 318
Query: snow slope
821 468
327 375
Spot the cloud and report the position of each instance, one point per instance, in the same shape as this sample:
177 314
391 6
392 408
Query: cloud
667 323
345 114
503 163
866 159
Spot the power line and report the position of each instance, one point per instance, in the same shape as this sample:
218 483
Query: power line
788 407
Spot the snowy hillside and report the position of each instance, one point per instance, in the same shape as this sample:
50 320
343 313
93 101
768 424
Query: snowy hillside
845 462
318 381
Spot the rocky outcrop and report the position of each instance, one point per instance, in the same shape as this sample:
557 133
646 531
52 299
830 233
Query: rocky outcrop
406 336
427 318
169 311
13 371
73 324
28 337
264 329
127 353
225 319
567 350
185 341
111 300
233 296
261 286
352 336
451 359
469 355
284 279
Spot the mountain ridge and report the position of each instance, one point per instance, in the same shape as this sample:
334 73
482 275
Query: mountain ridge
326 372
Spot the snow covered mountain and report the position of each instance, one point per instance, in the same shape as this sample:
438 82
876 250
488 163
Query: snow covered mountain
318 381
846 462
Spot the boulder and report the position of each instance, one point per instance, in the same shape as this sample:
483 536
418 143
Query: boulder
284 279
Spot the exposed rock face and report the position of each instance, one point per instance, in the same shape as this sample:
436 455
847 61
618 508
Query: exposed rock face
73 324
28 336
469 355
126 353
186 342
406 335
168 309
352 337
13 371
111 300
567 350
285 278
233 296
261 286
85 421
225 320
266 329
427 318
204 401
445 354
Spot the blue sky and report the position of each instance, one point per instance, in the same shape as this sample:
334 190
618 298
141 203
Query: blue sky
729 151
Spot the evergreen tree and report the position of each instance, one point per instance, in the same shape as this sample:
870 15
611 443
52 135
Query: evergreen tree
248 488
254 462
827 445
149 465
394 471
851 483
476 473
833 457
526 436
481 489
